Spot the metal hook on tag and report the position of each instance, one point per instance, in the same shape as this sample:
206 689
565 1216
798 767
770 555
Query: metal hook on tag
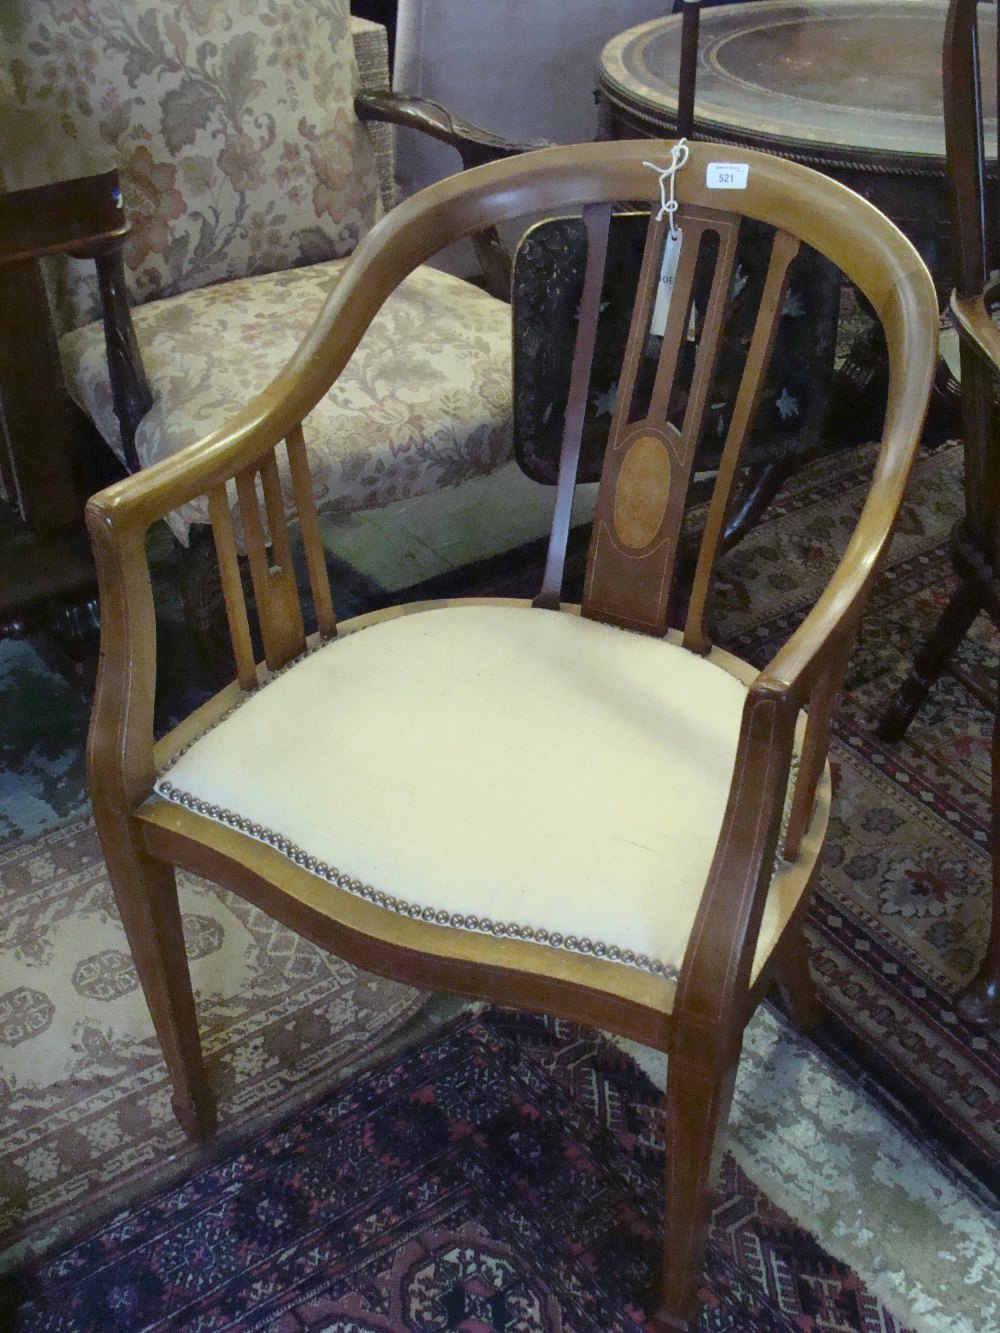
679 154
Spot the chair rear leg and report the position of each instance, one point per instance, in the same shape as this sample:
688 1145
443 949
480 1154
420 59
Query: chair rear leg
146 893
955 622
699 1095
798 990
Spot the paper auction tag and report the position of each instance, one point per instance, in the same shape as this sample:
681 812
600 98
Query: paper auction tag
665 286
727 175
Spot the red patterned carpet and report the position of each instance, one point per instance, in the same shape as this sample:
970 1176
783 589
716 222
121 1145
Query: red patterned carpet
898 926
503 1178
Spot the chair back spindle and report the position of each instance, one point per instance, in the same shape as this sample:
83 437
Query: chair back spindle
597 221
272 573
783 251
312 541
269 556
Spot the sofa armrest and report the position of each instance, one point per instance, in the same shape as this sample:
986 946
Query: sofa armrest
66 217
475 145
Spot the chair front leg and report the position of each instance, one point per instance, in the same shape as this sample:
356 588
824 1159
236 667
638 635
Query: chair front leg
701 1075
146 893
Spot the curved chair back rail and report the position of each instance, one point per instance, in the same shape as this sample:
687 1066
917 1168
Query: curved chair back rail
743 925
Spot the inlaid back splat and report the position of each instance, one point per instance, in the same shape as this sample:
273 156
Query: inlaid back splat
648 461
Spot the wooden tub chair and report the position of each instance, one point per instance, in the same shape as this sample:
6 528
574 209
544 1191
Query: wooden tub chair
248 173
574 809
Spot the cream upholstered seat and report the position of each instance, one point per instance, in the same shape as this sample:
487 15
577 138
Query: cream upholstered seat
597 816
497 768
424 403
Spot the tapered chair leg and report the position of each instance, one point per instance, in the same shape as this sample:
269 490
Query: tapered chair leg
146 893
798 990
952 627
699 1096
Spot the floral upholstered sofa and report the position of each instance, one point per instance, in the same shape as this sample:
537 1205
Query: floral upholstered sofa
247 179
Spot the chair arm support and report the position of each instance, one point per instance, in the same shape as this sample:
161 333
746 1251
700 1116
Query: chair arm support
474 145
130 391
719 959
120 739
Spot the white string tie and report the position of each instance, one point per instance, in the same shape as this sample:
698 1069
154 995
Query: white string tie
679 154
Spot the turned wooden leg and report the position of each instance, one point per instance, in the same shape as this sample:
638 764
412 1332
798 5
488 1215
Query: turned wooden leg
798 990
979 1003
947 634
699 1094
146 893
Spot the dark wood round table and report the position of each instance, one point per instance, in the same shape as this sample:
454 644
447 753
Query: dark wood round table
850 87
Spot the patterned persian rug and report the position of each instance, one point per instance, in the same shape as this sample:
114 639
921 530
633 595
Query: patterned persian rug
84 1099
843 1141
502 1178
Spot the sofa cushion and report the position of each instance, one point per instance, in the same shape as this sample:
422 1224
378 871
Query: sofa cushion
423 403
233 126
498 768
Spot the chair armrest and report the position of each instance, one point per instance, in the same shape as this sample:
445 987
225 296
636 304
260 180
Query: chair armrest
474 145
807 673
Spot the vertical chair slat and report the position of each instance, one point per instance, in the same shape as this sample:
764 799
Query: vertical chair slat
312 541
274 586
708 347
596 220
784 250
678 319
637 333
232 586
287 604
648 461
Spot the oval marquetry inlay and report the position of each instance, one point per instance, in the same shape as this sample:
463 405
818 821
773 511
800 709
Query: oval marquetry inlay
642 491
